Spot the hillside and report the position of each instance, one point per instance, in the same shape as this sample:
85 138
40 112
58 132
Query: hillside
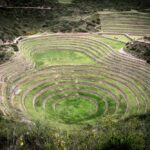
139 49
108 135
28 3
119 4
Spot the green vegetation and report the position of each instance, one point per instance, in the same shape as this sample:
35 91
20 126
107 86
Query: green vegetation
5 56
81 83
67 81
131 134
33 3
65 1
117 4
6 52
56 57
71 86
116 37
18 22
116 45
51 54
120 4
74 110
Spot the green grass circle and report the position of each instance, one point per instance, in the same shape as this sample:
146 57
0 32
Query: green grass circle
75 110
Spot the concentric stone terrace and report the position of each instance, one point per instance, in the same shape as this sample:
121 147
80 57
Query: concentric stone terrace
77 80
